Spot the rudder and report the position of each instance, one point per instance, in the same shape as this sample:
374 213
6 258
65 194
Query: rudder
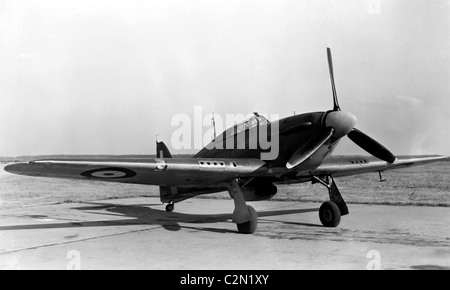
166 193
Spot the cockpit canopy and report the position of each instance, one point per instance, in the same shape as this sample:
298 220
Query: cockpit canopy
251 122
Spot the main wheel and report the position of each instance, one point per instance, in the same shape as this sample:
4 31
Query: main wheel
170 207
250 226
329 214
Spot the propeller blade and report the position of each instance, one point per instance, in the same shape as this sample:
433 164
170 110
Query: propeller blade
308 149
371 146
333 87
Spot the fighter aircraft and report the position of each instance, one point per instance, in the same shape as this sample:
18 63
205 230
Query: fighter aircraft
306 142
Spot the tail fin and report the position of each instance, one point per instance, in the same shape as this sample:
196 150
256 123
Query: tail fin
173 193
162 151
166 193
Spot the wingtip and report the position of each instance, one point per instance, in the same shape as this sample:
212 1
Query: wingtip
15 168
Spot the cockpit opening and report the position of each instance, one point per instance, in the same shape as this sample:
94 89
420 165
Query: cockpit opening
253 121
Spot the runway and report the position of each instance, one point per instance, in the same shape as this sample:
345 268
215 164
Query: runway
137 233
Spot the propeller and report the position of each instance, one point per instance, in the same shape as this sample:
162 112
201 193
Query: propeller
338 124
308 148
333 86
370 145
358 137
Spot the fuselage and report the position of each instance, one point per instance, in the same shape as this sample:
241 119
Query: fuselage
291 132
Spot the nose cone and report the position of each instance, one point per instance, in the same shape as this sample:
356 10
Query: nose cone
342 122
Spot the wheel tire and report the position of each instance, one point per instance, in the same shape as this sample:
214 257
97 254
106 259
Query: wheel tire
170 207
329 214
250 226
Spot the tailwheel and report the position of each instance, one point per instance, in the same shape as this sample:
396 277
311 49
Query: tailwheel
329 214
250 226
170 207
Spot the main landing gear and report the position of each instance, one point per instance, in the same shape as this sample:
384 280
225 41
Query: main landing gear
244 216
330 212
170 206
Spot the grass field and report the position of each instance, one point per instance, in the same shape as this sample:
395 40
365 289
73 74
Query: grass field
427 185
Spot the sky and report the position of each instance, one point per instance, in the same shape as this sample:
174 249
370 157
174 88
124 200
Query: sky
106 76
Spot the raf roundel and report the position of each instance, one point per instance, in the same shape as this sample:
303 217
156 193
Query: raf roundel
109 173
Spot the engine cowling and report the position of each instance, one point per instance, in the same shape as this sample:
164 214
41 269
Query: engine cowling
256 191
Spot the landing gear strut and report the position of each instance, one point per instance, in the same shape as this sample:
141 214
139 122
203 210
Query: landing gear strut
244 215
330 212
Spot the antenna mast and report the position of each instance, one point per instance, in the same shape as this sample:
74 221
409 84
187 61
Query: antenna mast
214 125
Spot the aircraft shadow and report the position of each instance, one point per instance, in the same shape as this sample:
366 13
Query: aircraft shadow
144 214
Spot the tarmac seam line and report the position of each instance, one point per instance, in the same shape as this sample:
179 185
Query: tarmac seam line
80 240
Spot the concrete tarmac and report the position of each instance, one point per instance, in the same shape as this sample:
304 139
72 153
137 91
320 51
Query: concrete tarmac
137 233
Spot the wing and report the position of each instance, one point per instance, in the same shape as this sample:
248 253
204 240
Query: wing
351 165
159 171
